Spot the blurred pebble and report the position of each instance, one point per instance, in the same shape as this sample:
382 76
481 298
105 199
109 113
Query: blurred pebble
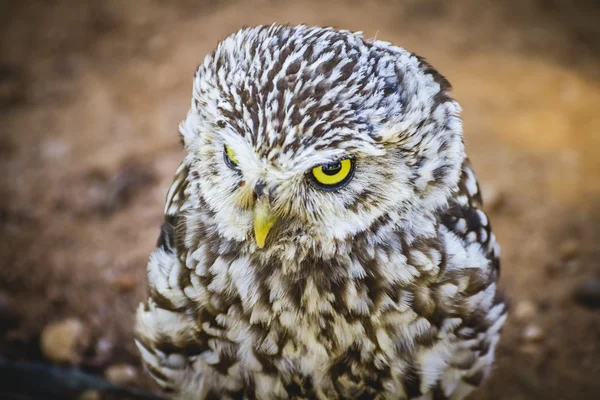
121 374
89 395
125 282
64 341
587 293
104 348
9 317
525 310
532 333
569 250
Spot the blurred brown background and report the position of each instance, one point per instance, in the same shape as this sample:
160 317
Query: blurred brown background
91 93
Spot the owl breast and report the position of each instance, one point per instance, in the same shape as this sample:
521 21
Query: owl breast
399 317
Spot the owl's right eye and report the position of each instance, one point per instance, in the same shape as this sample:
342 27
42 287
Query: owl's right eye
333 176
230 159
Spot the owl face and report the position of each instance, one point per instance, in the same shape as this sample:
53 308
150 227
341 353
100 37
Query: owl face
312 135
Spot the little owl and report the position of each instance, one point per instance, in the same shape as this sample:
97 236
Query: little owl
323 237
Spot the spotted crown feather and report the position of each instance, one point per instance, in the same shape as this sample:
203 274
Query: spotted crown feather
386 289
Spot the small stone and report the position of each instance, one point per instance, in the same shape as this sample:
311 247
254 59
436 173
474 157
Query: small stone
525 310
532 333
121 374
125 282
104 348
90 395
587 293
569 250
64 341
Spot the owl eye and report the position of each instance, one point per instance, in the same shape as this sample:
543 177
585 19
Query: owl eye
230 159
333 176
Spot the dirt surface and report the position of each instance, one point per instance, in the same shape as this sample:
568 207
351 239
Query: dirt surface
91 94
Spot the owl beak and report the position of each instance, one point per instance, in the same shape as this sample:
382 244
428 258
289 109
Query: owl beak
263 220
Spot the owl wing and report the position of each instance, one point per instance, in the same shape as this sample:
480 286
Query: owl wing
165 332
175 205
176 197
473 266
468 222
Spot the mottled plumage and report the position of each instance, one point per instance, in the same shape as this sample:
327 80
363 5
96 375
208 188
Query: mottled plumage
384 287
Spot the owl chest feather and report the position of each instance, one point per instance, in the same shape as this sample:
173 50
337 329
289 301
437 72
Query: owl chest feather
368 314
390 314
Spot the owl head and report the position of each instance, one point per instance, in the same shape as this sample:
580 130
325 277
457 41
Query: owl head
314 135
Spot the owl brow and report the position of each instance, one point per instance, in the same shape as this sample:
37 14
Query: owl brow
333 160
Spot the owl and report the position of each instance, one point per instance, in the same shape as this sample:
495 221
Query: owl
323 236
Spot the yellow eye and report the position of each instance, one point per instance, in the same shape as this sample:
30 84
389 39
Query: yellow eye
230 158
333 176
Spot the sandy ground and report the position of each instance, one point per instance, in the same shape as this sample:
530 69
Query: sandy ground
91 94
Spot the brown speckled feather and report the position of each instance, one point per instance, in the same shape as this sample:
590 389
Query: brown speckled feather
385 288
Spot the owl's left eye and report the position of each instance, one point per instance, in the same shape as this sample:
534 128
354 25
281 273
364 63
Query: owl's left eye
230 158
333 176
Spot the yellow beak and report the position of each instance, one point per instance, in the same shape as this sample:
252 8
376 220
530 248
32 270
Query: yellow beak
263 221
